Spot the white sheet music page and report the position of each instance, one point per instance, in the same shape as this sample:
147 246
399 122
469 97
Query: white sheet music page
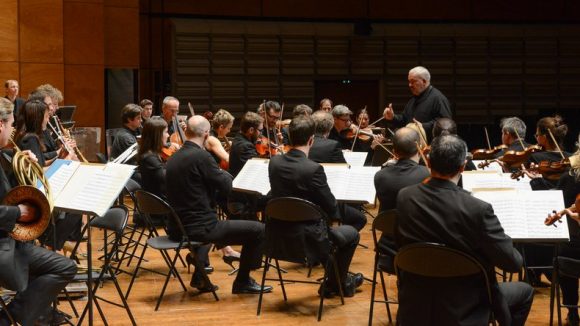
522 213
354 184
253 177
355 158
59 179
493 166
492 180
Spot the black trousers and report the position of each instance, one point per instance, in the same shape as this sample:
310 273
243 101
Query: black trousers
352 215
49 273
249 234
66 226
345 238
569 285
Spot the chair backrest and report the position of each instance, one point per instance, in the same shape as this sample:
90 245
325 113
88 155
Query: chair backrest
438 261
131 186
385 223
149 204
115 220
292 209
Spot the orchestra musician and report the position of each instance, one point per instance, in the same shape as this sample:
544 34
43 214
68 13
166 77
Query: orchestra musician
513 134
342 124
325 105
242 205
126 136
441 212
294 175
37 274
12 88
169 111
553 148
271 114
368 144
446 126
218 143
147 109
426 105
194 177
325 150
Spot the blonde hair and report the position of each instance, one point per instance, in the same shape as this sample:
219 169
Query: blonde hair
51 91
222 118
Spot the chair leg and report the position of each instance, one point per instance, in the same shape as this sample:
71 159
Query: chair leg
385 296
373 288
266 266
120 292
558 306
553 291
72 306
134 276
335 267
281 280
171 269
5 308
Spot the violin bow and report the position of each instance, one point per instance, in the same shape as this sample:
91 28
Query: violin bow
190 106
275 129
520 140
392 132
267 129
422 155
364 110
421 131
387 150
487 138
377 121
556 143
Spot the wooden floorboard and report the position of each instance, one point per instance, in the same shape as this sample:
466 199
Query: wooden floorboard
191 308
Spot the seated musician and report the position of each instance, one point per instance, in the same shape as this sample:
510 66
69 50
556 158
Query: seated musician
439 211
147 107
272 115
342 122
127 136
242 205
326 150
513 134
294 175
218 144
37 274
363 142
194 177
325 105
446 126
553 149
169 111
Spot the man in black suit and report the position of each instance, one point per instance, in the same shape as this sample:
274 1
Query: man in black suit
513 134
36 273
294 175
194 177
439 211
326 150
243 205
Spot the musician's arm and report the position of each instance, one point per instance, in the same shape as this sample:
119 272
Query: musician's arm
8 217
213 145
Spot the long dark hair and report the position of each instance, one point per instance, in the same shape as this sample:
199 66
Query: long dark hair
32 114
152 137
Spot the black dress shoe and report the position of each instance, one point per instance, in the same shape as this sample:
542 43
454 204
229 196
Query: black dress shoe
208 269
202 286
250 287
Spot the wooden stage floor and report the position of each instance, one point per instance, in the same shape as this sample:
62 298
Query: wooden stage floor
190 308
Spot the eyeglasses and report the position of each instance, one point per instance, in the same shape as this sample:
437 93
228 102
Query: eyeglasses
345 120
273 117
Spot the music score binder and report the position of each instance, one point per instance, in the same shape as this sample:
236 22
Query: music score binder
86 188
354 184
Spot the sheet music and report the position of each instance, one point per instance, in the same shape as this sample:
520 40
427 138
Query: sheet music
522 213
59 179
493 180
493 166
253 177
355 158
354 184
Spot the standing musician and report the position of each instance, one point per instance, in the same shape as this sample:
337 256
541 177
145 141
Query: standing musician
242 205
426 105
325 150
12 88
194 177
37 274
126 136
439 211
294 175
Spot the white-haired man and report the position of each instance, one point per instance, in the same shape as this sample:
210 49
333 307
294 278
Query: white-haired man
426 105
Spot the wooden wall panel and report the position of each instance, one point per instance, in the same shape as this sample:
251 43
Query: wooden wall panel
41 29
122 3
214 7
85 88
84 1
8 70
9 28
315 9
34 74
399 10
121 37
83 33
518 10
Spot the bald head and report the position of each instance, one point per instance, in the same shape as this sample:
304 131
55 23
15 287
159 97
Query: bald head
405 142
197 127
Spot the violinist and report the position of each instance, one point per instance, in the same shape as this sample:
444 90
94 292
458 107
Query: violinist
513 134
242 205
218 144
271 114
324 150
366 140
169 111
126 136
552 147
325 105
446 126
342 126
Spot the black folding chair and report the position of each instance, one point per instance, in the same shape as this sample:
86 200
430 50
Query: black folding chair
149 204
384 224
294 210
5 309
563 266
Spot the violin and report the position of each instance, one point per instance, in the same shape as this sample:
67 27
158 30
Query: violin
177 136
513 159
362 135
487 154
266 148
166 153
550 170
557 216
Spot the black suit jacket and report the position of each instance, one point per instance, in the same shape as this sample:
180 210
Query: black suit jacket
294 175
14 271
242 150
152 171
393 178
193 177
325 150
439 211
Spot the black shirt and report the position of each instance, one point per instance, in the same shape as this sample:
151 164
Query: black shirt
124 138
152 171
242 150
391 179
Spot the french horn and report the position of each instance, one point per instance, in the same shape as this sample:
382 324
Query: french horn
29 174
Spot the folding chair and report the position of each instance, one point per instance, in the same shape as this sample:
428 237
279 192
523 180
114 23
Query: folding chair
384 257
294 210
149 204
563 266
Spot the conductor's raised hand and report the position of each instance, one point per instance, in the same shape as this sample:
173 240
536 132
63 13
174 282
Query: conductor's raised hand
388 113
